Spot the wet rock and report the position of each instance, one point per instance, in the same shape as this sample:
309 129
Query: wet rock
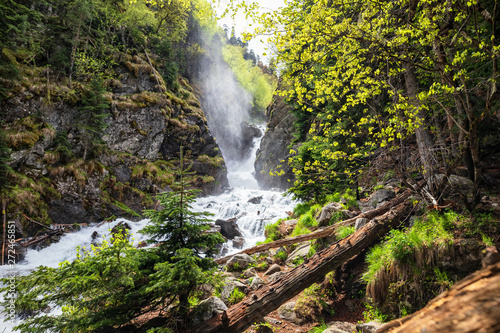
95 237
255 200
327 212
301 251
291 223
229 228
274 146
273 269
121 228
207 309
239 262
361 222
238 242
369 327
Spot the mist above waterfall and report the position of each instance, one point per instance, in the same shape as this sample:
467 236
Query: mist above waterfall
227 107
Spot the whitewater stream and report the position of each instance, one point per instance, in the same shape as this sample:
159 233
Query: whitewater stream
253 208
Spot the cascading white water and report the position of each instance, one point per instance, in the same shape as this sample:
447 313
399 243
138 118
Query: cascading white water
227 106
253 208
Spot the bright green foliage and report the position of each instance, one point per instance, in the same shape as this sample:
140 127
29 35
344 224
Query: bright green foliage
272 231
96 290
236 296
307 220
319 329
110 285
300 230
281 256
251 77
362 77
372 313
302 208
344 231
402 246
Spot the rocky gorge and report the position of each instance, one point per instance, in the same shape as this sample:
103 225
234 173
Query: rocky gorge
144 130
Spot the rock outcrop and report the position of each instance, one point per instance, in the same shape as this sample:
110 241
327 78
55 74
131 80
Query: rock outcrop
134 159
274 147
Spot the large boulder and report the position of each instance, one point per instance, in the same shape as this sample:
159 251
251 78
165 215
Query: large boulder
301 251
230 285
229 228
378 198
207 309
369 327
274 146
273 269
327 212
340 327
256 283
287 312
239 262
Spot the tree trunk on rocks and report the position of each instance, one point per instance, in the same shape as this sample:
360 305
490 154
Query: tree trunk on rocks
325 232
471 305
268 298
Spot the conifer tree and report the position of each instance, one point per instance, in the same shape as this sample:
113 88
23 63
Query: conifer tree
91 117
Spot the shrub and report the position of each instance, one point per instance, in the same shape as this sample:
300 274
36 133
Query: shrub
302 208
300 230
263 266
280 256
344 231
236 296
307 220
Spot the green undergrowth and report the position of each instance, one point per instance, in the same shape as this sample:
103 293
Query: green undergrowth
402 246
414 265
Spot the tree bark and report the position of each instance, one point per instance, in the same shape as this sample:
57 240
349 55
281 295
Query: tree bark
270 297
471 305
325 232
424 141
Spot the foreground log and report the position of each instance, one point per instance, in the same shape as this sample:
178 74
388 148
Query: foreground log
471 305
325 232
268 298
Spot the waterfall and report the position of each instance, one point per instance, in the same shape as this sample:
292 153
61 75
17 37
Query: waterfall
227 108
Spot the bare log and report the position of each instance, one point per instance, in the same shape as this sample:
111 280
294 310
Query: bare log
268 298
325 232
471 305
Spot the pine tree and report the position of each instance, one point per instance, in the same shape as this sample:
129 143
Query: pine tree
91 118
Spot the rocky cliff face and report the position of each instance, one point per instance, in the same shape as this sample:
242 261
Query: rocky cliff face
274 149
137 157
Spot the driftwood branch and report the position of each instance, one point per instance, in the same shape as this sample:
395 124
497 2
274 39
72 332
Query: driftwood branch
325 232
269 297
471 305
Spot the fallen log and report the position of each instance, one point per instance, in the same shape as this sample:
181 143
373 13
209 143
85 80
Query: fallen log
325 232
471 305
269 297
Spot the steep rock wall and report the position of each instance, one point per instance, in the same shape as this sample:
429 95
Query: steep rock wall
274 149
147 125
